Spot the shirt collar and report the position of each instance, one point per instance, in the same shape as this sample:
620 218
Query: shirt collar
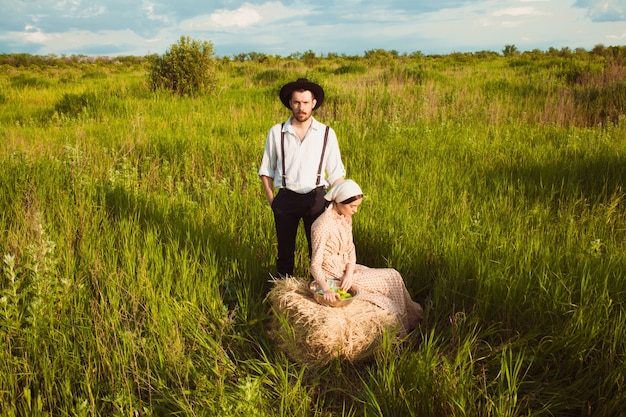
315 125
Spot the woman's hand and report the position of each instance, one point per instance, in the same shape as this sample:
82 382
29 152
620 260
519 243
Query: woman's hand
346 282
348 277
330 295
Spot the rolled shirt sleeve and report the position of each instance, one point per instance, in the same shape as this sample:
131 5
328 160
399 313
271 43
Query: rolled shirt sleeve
333 164
270 153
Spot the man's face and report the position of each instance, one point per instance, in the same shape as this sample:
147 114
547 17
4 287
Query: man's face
302 103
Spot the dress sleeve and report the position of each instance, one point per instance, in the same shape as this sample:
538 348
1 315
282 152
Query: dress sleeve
319 237
351 256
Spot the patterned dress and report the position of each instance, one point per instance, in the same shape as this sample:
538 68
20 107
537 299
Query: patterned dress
333 248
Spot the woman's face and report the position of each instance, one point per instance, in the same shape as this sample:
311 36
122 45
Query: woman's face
350 209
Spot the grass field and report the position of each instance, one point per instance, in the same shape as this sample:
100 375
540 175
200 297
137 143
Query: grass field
137 243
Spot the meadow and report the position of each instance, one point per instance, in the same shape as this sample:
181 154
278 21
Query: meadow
137 245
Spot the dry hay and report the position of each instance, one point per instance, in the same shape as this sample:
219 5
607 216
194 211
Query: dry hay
314 335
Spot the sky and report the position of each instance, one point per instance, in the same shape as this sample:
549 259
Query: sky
286 27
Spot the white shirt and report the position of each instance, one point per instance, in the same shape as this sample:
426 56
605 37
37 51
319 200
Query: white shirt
302 158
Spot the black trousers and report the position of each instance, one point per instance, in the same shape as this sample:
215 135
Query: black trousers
289 208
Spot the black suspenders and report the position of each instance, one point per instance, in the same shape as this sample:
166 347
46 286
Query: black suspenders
282 150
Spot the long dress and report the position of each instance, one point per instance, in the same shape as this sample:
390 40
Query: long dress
333 248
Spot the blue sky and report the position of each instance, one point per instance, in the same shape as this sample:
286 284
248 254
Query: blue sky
284 27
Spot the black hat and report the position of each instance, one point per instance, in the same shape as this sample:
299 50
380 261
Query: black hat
301 84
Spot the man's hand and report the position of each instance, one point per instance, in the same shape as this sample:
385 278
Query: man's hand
268 187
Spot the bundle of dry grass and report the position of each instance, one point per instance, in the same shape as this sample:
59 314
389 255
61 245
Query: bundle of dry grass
313 334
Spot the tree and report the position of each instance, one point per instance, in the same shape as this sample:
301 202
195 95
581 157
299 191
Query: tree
187 68
309 57
510 50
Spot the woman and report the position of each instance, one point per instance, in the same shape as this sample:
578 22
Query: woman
334 257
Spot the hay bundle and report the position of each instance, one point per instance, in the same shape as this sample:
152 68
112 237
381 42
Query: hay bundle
313 334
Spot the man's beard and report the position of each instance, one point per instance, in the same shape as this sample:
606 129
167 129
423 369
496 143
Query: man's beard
302 117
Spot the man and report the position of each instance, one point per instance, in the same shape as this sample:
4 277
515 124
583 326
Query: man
301 159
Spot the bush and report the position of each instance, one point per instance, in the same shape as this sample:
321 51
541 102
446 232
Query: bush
186 68
269 77
24 81
95 75
72 105
351 68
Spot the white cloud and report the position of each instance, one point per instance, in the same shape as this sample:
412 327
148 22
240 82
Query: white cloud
245 16
75 41
111 27
517 11
91 12
148 8
36 37
74 8
491 24
604 10
510 24
65 4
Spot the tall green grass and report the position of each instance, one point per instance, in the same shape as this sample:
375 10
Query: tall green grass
137 244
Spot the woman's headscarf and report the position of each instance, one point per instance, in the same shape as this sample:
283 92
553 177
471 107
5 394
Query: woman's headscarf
343 191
